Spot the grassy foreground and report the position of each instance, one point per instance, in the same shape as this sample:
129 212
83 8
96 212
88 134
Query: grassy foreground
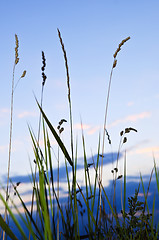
48 218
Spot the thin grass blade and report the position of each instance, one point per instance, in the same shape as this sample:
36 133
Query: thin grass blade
60 143
13 217
6 228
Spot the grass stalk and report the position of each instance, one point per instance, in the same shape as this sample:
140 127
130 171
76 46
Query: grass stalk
86 175
41 103
58 167
11 120
75 214
124 187
106 108
13 217
68 87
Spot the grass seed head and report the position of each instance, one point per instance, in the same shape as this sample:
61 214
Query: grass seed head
127 130
16 49
124 140
43 68
119 176
114 63
66 64
108 136
132 129
120 45
24 73
121 133
61 130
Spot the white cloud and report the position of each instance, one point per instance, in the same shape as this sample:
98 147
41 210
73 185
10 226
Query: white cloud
78 126
149 150
130 118
93 130
136 117
90 129
142 194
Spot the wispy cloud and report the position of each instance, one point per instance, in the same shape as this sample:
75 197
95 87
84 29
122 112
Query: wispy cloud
151 150
93 130
90 129
130 118
136 117
78 126
142 194
27 114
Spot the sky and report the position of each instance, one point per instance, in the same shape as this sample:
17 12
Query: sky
91 32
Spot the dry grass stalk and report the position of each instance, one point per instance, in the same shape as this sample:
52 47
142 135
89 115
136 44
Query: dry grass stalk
44 77
11 121
68 86
106 109
66 64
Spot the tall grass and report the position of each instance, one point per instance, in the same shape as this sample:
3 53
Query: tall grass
44 77
92 207
16 61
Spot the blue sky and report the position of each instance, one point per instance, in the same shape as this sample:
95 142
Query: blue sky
91 31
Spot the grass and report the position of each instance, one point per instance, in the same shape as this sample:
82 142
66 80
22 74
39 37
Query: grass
11 120
91 208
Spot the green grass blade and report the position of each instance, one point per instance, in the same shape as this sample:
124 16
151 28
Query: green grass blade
27 211
26 220
86 183
75 197
51 185
44 206
124 187
60 143
156 235
145 204
94 190
113 213
157 176
153 213
13 217
86 202
6 228
49 157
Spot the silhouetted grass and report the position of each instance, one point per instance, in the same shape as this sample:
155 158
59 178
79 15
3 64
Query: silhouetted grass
53 220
